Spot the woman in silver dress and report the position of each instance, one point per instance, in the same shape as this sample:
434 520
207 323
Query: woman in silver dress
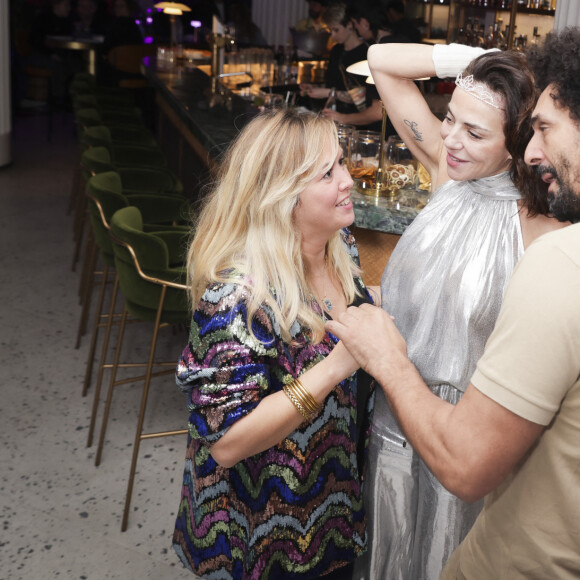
445 279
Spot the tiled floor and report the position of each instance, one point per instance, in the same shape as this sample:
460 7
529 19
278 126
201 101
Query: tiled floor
60 514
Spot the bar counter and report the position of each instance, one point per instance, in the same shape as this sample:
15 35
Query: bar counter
195 132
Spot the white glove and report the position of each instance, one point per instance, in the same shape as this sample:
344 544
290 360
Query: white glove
451 59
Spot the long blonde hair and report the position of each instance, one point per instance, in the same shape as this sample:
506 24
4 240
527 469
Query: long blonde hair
245 232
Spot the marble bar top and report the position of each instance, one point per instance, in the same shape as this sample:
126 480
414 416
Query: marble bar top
187 92
390 215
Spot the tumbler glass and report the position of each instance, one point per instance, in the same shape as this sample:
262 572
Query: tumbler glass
401 170
346 134
365 158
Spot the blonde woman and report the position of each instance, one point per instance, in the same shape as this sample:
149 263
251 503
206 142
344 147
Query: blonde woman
277 430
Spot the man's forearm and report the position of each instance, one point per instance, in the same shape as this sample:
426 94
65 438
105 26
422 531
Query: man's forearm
470 447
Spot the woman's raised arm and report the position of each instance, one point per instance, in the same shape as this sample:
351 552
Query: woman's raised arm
394 68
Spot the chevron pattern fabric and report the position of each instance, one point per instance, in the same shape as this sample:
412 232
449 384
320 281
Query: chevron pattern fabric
292 511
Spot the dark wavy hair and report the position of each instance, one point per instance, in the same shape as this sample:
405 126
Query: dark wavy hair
376 16
557 62
506 73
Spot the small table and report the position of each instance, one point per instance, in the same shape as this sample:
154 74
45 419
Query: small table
89 45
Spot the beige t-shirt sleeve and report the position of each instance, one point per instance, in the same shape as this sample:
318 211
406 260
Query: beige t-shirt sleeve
533 355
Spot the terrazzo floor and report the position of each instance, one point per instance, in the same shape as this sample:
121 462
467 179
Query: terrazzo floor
61 515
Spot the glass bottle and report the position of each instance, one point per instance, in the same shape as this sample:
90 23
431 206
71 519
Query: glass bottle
294 66
355 90
331 101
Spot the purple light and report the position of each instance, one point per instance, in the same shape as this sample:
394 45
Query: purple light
149 20
195 24
138 22
148 40
149 10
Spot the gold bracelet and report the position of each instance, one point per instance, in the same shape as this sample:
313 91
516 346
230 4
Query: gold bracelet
307 399
290 394
302 399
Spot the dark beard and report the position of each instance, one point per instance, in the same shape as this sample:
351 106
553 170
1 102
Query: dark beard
565 205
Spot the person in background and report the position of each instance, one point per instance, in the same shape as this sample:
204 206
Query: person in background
56 21
314 21
62 64
513 438
123 31
90 17
349 49
370 21
248 32
278 411
445 279
400 28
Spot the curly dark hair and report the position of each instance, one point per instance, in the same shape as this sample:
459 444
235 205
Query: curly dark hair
557 62
506 73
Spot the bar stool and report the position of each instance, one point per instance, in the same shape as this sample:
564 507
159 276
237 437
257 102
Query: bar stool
123 153
105 95
110 112
119 132
135 180
152 281
105 197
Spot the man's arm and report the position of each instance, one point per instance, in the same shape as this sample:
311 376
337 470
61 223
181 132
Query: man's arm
470 447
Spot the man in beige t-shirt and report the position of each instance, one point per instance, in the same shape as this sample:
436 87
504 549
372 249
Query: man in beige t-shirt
530 525
515 435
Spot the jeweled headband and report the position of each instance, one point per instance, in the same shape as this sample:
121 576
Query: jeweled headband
478 90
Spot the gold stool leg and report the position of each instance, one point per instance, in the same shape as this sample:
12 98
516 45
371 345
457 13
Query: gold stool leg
79 228
89 264
96 325
86 286
143 408
75 188
110 319
111 388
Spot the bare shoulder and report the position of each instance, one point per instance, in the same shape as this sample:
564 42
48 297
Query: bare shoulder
534 227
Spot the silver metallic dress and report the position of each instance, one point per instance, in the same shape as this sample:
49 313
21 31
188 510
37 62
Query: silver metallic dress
444 285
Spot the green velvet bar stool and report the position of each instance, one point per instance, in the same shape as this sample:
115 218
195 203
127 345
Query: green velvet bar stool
167 209
105 197
85 79
152 280
109 113
138 133
134 90
104 95
123 133
129 153
135 180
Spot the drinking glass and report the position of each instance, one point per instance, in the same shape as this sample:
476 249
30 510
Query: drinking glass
346 134
401 170
364 157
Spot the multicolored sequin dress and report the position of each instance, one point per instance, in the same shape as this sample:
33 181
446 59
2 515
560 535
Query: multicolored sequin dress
294 510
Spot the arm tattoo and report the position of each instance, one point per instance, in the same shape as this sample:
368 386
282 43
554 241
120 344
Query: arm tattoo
413 126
